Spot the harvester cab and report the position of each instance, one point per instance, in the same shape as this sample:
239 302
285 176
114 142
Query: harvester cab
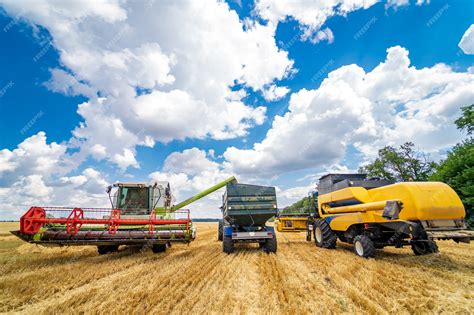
140 198
373 213
141 214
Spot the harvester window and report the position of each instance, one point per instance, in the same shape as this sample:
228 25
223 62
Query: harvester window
134 198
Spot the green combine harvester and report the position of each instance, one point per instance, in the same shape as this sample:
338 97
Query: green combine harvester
141 214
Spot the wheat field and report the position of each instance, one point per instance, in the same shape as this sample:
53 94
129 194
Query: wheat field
199 278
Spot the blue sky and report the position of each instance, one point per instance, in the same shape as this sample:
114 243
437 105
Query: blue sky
412 93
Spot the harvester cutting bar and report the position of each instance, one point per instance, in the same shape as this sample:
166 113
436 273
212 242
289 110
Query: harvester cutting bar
73 219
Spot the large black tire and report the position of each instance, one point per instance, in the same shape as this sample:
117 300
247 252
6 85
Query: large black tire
271 245
323 235
228 245
363 246
105 249
424 247
220 230
158 248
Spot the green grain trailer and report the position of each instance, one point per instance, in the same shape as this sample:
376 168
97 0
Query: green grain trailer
246 209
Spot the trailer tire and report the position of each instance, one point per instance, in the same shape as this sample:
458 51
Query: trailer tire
220 230
323 235
228 245
363 246
158 248
424 247
271 245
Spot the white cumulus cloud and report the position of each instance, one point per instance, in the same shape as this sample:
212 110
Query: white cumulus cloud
391 104
148 68
467 41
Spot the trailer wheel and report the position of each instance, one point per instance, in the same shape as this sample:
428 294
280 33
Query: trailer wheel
323 235
363 246
228 245
220 230
158 248
271 245
424 247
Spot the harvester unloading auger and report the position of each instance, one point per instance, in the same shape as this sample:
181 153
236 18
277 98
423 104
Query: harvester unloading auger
141 214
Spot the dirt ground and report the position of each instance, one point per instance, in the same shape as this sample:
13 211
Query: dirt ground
199 278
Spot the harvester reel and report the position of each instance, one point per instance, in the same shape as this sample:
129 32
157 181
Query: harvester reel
74 222
323 235
30 226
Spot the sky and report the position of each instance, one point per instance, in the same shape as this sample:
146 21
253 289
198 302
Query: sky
192 92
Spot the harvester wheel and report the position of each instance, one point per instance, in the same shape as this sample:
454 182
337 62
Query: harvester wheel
104 249
323 235
158 248
271 245
424 247
220 230
363 246
228 245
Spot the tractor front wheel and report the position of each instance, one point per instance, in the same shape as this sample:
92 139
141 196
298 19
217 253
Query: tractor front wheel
323 235
363 246
424 247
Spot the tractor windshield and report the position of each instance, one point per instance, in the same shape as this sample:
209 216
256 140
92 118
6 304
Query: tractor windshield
133 198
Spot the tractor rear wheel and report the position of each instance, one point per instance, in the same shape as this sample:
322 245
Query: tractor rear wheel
158 248
323 235
271 245
424 247
363 246
220 230
228 245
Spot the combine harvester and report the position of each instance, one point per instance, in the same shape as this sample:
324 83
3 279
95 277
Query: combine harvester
245 210
141 215
374 213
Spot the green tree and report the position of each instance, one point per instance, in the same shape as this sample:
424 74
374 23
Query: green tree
402 164
305 205
466 121
457 170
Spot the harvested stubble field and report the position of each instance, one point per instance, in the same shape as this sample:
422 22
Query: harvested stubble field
199 278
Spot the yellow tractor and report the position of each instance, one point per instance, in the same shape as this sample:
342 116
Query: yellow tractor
374 213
